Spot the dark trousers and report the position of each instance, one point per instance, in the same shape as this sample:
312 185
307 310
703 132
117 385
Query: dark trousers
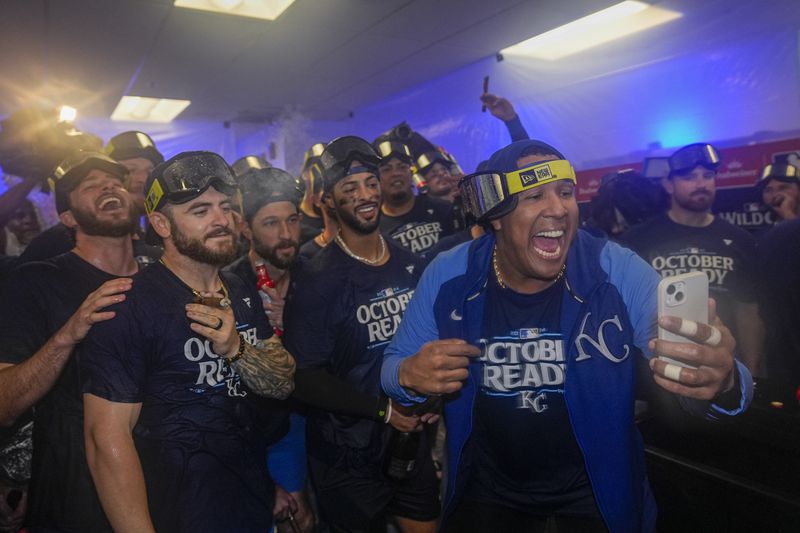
473 517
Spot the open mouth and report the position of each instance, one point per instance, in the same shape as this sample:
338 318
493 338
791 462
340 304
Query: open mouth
109 203
548 244
368 211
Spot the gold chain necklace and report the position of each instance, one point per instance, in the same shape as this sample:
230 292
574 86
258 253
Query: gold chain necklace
349 252
223 302
500 278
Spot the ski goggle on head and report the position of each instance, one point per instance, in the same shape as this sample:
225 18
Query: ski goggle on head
780 172
388 149
185 177
336 161
491 194
688 157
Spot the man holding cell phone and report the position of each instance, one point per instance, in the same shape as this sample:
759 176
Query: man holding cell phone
531 332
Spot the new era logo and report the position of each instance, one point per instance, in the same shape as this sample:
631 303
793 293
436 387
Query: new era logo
538 174
727 242
410 269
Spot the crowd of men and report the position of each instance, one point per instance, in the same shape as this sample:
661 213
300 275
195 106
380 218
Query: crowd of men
205 346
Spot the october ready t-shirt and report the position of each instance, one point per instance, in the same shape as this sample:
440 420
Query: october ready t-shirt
422 227
524 452
340 316
202 436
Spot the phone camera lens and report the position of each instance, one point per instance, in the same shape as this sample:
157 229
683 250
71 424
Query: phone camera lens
671 290
678 296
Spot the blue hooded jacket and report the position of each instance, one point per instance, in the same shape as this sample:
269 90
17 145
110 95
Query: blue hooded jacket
608 311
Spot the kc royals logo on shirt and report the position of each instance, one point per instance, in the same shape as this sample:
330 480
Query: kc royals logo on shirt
528 363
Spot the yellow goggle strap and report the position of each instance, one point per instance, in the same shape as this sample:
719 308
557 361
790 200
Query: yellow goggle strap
539 174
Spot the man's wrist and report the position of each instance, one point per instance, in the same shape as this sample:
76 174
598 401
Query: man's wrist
230 359
729 397
63 340
401 374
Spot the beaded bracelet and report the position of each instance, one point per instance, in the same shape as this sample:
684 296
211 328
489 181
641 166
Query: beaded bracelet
239 353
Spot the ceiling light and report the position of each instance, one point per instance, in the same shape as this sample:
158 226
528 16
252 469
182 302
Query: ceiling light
260 9
67 114
620 20
143 109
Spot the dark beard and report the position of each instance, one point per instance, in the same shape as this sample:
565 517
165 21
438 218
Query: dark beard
695 204
270 254
400 197
363 228
90 225
196 250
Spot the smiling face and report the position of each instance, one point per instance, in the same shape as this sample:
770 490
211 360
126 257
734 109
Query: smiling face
100 206
356 200
534 238
201 229
396 180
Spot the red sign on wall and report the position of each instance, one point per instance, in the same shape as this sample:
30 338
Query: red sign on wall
741 166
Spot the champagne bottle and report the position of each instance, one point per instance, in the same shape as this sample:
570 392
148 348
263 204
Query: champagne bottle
264 281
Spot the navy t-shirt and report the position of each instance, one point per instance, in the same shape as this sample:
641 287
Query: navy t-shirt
309 249
202 436
726 254
524 452
422 227
340 315
310 227
37 300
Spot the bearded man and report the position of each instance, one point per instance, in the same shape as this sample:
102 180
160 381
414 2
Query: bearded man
175 386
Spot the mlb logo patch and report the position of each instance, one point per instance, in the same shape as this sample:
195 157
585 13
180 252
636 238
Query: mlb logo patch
529 333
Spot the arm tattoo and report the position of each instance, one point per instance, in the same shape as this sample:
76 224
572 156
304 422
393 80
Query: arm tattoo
267 369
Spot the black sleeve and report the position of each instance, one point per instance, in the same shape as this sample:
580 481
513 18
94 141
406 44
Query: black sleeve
50 243
320 388
516 129
747 288
23 313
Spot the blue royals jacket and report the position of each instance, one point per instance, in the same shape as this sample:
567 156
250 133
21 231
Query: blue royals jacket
608 311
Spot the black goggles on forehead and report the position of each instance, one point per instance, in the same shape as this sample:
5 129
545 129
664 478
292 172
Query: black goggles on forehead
482 192
688 157
387 149
780 172
187 176
312 153
429 158
345 150
339 155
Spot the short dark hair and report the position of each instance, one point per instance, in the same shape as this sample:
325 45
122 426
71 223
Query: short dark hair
536 149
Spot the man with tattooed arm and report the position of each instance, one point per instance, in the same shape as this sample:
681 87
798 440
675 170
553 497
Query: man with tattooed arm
175 423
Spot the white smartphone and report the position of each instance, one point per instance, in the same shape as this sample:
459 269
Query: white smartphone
684 296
